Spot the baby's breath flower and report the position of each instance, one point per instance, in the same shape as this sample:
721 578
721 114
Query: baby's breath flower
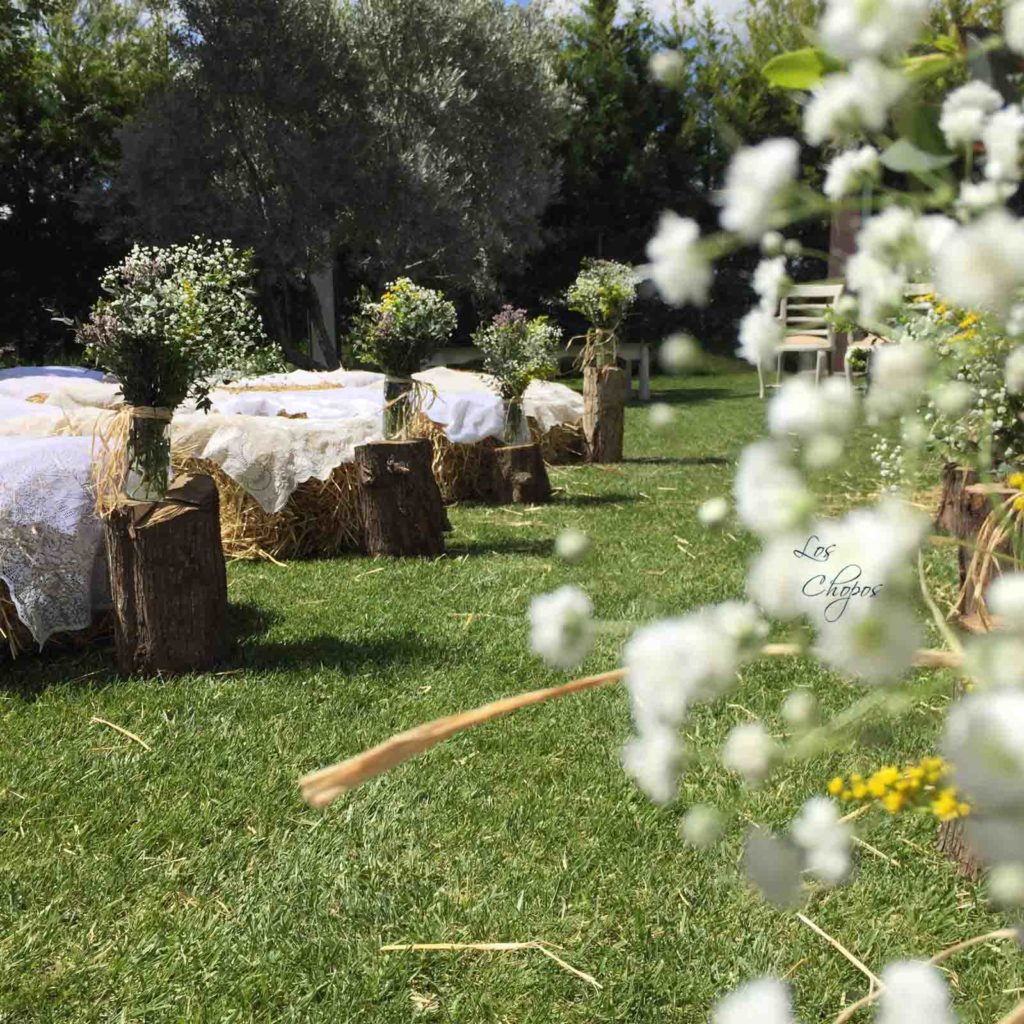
914 993
855 28
678 352
849 171
561 627
846 104
572 545
771 495
761 334
751 752
964 112
765 1001
800 709
702 826
661 415
1006 885
874 643
653 760
982 265
770 282
824 840
755 182
679 269
713 512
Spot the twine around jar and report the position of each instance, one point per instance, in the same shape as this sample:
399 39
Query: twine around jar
110 452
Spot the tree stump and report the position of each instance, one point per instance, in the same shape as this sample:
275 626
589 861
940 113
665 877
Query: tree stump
604 397
954 844
168 581
520 477
400 499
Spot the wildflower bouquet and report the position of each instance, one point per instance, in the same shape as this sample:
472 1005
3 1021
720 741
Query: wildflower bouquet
172 323
399 333
603 293
517 350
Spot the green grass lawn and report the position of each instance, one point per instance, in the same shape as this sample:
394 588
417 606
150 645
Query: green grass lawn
190 883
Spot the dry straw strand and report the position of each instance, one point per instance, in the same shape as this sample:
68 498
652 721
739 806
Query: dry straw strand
323 787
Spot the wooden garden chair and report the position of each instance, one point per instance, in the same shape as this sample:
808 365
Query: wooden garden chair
803 313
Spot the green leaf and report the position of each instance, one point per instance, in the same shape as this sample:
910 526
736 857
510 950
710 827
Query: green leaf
906 158
931 65
799 69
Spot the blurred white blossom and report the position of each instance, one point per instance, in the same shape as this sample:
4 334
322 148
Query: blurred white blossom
679 269
855 28
1002 136
824 840
713 512
807 410
750 752
756 179
982 265
765 1001
770 282
874 641
572 545
771 495
653 760
849 171
561 626
914 993
761 334
964 113
846 104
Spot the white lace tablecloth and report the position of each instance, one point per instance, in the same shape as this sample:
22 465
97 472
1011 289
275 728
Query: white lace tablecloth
51 544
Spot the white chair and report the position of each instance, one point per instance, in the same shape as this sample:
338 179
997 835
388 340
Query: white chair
913 296
808 328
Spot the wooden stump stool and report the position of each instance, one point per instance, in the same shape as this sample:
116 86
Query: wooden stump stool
604 397
520 476
168 581
401 502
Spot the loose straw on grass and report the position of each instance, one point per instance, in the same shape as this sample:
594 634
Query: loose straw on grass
1002 934
491 947
124 732
323 787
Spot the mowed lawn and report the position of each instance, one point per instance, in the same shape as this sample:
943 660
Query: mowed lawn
190 883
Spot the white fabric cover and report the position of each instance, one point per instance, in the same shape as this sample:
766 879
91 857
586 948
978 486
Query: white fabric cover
51 544
269 456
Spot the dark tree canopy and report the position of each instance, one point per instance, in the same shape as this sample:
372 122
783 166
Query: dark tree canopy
71 72
398 138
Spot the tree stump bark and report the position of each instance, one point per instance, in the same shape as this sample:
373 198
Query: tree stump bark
953 843
400 499
520 476
604 396
168 581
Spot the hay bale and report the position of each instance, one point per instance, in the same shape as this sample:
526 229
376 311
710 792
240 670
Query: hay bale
464 472
14 635
322 517
562 445
15 638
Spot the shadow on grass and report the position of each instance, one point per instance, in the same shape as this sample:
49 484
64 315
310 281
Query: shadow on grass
502 546
595 500
324 650
693 396
667 460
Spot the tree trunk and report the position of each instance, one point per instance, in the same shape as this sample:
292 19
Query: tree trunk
953 843
604 397
520 477
168 581
400 499
962 511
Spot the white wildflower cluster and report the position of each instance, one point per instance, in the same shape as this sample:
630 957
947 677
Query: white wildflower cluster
671 666
761 335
